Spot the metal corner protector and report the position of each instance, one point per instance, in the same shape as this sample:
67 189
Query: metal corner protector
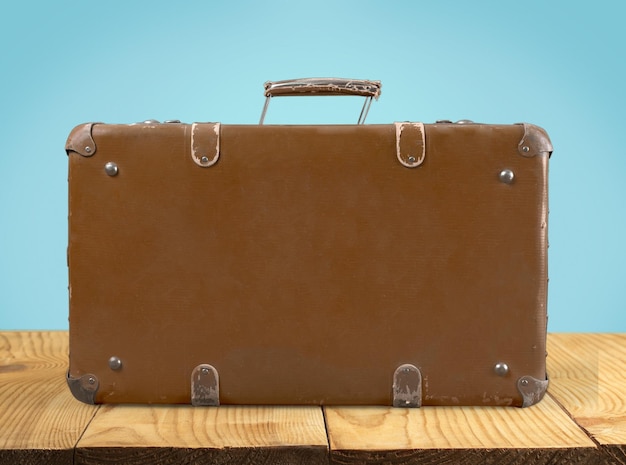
532 389
84 388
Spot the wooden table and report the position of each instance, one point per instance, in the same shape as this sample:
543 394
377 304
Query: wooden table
581 420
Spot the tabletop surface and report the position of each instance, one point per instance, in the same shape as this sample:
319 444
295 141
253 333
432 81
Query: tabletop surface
581 420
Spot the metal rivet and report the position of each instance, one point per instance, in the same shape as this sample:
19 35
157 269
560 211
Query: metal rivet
507 176
204 371
524 382
111 169
88 149
115 363
501 369
411 160
204 160
525 149
91 380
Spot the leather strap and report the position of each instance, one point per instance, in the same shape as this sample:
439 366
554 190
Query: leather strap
205 143
410 144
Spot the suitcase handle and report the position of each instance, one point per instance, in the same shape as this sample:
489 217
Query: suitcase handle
323 86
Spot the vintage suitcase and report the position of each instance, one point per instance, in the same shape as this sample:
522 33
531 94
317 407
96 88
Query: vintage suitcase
399 264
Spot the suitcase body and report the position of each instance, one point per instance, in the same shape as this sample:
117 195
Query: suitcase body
401 264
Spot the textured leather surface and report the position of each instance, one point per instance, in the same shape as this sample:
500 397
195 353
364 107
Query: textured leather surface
307 264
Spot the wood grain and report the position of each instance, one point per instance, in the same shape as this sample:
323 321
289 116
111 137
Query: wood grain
40 421
581 420
588 378
459 434
544 425
175 434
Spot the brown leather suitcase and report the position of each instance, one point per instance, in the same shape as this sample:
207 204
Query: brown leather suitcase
398 264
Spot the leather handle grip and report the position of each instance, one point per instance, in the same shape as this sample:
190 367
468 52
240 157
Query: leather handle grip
323 86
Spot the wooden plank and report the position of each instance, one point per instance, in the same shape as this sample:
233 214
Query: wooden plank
541 434
183 434
464 435
40 421
588 377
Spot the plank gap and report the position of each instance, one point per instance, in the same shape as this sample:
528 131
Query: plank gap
573 418
83 433
328 445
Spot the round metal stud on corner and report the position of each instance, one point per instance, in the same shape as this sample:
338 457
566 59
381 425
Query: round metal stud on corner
412 160
507 176
204 160
501 369
111 168
115 363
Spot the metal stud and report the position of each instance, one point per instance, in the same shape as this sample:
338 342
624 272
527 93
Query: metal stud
88 149
91 380
111 169
204 160
525 149
507 176
411 160
501 369
115 363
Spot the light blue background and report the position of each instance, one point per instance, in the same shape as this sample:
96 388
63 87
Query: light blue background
558 64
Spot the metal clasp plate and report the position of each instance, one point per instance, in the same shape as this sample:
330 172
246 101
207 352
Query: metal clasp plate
407 386
205 386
